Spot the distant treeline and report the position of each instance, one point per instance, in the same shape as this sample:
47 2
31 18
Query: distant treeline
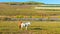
24 3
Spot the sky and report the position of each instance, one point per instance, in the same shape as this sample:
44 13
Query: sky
43 1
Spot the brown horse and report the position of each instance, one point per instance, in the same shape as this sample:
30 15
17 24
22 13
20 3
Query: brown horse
19 24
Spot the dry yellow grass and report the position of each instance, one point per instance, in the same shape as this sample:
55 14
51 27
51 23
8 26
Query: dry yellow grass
37 27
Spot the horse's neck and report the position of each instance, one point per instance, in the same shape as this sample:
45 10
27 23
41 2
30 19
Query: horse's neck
22 23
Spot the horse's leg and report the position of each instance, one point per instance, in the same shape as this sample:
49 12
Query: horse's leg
21 27
26 27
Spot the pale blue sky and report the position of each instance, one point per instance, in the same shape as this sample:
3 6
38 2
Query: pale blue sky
44 1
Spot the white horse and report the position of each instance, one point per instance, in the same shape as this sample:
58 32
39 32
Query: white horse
26 24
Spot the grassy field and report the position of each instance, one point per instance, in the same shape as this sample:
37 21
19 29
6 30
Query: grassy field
36 27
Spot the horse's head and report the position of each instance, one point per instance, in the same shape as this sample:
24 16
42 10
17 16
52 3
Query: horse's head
28 23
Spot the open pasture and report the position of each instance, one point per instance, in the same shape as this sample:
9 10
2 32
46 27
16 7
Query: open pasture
36 27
